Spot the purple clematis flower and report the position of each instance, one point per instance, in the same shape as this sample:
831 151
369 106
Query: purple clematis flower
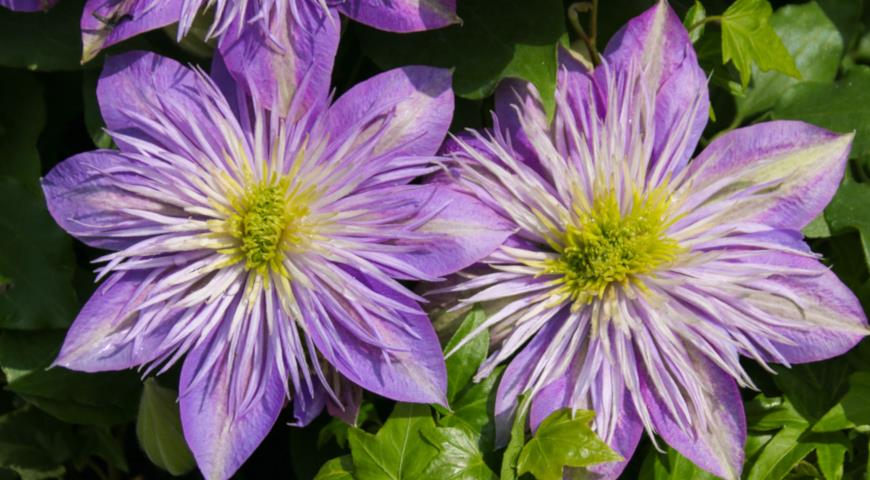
266 248
27 5
278 41
636 280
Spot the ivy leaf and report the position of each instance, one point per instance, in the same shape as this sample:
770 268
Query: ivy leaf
462 365
81 398
459 457
816 46
518 439
693 19
398 450
497 39
843 106
47 41
37 258
748 38
340 468
158 428
564 439
473 409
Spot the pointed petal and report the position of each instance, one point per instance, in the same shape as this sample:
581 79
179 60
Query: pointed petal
719 447
402 15
107 22
464 230
658 41
415 103
93 342
350 395
308 405
87 201
806 162
512 95
297 52
222 440
27 5
417 374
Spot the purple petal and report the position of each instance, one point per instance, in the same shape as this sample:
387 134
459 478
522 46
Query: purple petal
28 5
717 448
86 198
805 162
513 95
350 395
464 230
107 22
308 405
402 15
94 341
222 439
830 320
414 103
294 57
415 374
658 42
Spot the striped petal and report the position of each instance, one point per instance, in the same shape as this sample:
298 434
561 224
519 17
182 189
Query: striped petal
402 15
107 22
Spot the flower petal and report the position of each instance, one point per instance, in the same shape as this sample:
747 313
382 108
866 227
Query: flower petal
107 22
27 5
308 405
94 341
658 42
222 439
350 395
512 95
464 230
411 107
415 373
717 448
296 53
86 196
402 15
805 164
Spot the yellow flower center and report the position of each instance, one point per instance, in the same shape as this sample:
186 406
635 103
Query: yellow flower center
607 246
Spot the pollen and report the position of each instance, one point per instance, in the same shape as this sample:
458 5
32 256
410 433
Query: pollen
614 245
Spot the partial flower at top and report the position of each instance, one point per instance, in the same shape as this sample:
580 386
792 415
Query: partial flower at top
28 5
277 40
636 280
266 248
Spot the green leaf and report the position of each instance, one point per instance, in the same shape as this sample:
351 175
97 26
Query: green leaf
37 257
22 118
81 398
748 38
42 41
93 118
847 213
158 428
337 429
816 46
397 451
33 441
564 439
518 439
813 388
843 106
497 39
765 414
459 457
818 228
340 468
782 453
473 409
830 457
672 466
693 21
462 365
853 410
22 351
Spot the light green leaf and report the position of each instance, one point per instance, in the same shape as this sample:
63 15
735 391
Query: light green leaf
518 438
672 466
847 212
459 457
748 38
473 409
818 228
853 410
462 365
830 457
816 46
497 39
843 106
38 259
398 451
765 414
340 468
158 428
782 453
563 439
693 21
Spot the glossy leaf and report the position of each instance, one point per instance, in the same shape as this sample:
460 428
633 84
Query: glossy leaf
462 365
340 468
459 457
748 38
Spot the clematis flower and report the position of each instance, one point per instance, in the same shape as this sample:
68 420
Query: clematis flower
265 249
27 5
637 279
279 41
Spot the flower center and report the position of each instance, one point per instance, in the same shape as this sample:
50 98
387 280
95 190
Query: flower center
610 246
266 222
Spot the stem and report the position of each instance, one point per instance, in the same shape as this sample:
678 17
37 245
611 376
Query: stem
574 17
706 20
